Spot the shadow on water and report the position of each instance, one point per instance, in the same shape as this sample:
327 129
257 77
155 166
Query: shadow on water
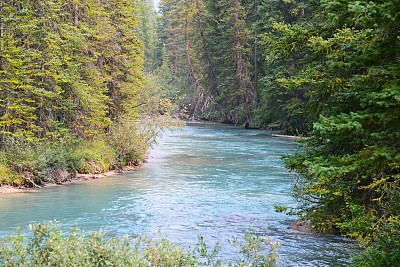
212 180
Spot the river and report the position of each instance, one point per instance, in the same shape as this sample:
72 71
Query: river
212 180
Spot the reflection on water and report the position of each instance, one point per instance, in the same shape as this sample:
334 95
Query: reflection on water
213 180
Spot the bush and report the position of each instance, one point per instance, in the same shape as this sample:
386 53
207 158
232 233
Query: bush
31 163
94 156
24 163
130 142
8 177
132 138
384 247
49 246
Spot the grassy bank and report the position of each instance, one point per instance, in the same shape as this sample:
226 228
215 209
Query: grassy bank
30 163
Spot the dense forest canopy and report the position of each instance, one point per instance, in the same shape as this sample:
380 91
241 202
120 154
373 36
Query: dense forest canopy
66 67
73 96
82 77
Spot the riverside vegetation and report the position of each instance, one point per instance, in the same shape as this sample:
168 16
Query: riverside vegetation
74 95
325 69
48 246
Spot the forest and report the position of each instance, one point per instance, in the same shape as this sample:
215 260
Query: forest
73 90
86 86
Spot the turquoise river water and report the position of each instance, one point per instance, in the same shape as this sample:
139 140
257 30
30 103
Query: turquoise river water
212 180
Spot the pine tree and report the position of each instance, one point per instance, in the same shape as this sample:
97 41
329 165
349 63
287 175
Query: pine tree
67 67
349 170
19 95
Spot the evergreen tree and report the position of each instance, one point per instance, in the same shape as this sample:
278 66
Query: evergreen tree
148 34
349 172
208 43
70 66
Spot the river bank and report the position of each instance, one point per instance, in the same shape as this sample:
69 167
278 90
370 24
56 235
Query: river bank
7 189
216 181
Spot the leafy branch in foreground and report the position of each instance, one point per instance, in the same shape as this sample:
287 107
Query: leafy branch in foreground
47 245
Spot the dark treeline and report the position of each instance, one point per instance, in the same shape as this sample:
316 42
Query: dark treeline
326 69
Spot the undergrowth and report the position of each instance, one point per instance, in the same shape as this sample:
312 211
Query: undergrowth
48 245
29 163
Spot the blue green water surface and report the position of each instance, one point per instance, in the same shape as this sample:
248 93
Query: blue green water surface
211 180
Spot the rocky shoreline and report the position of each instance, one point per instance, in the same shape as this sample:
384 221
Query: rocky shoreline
304 227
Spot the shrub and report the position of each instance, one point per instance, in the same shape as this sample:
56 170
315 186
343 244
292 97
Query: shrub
127 138
49 246
33 163
24 163
132 138
384 247
8 177
94 156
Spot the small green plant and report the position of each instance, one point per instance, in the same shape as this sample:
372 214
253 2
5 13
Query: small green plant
163 253
204 253
257 250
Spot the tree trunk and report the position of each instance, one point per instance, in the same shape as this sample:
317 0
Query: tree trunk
1 28
248 93
75 14
187 48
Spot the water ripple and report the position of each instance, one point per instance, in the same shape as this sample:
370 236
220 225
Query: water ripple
207 180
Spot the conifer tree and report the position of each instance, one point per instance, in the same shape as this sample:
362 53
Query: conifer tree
19 94
70 66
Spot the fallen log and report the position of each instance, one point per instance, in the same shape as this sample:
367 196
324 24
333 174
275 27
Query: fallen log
291 137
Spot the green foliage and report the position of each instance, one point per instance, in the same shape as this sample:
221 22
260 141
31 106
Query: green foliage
67 67
33 163
47 245
209 56
164 253
130 140
384 250
147 33
50 247
95 156
132 136
348 74
30 164
8 177
258 250
68 71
